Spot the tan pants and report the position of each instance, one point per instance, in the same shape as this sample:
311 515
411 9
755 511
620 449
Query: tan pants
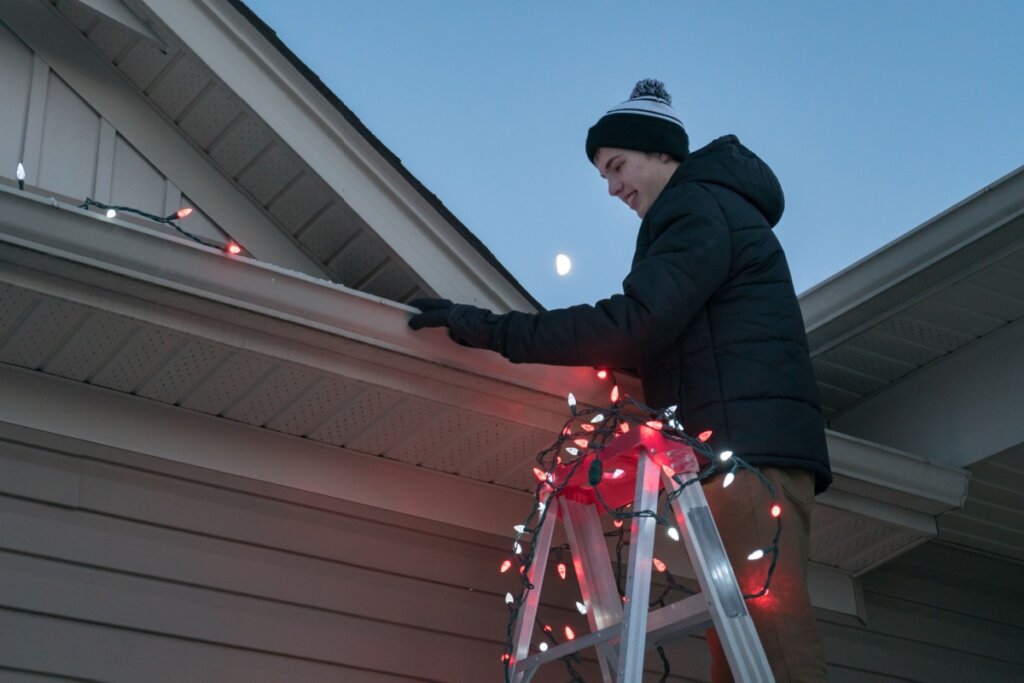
784 618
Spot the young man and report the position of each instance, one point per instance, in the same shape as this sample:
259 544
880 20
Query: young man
709 319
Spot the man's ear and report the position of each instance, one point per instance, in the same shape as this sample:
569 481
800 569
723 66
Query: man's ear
665 158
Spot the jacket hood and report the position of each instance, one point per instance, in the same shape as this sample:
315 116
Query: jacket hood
727 162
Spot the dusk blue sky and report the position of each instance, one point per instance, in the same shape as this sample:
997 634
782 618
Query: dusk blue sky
876 115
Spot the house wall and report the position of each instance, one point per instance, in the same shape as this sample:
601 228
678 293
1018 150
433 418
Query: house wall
116 566
938 613
120 567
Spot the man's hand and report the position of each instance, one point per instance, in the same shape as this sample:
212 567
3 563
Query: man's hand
467 325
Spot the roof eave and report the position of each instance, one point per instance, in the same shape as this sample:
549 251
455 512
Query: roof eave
857 293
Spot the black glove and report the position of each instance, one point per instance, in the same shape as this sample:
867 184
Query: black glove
467 325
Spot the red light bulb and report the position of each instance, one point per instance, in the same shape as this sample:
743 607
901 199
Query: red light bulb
506 565
233 248
602 374
776 510
569 633
624 427
184 212
561 570
659 565
615 394
704 436
655 424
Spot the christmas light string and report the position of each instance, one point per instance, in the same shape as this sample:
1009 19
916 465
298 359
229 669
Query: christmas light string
111 211
230 247
587 432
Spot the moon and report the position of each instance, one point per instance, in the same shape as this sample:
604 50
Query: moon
563 264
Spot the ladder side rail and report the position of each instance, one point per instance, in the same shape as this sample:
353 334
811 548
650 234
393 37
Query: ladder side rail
638 578
735 628
523 629
594 574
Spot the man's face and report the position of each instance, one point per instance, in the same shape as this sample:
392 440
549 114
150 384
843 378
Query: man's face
637 178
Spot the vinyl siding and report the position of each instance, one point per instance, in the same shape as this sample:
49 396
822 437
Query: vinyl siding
128 568
939 613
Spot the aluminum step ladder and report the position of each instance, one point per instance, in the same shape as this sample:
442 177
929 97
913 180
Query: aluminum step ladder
622 628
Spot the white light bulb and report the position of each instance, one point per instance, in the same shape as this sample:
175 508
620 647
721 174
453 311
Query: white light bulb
618 473
580 607
728 479
516 548
724 455
563 264
509 599
543 647
111 213
21 171
520 528
541 505
673 534
756 555
597 418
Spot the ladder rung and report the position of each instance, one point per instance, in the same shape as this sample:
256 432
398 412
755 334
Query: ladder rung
663 625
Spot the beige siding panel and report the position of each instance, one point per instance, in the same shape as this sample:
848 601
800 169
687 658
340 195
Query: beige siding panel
16 75
135 182
83 651
939 613
71 132
141 604
859 654
268 580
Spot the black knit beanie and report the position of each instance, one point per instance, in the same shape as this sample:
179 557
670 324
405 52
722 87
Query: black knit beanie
645 122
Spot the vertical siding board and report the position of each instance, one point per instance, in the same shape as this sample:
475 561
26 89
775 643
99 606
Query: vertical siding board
104 163
94 652
32 150
70 141
136 183
16 67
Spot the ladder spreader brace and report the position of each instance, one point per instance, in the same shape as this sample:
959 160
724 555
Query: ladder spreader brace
623 628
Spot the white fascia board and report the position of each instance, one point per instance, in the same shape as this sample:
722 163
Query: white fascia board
240 56
72 58
890 479
244 296
984 212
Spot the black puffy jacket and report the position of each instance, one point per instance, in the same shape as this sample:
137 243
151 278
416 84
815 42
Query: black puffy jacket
708 316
